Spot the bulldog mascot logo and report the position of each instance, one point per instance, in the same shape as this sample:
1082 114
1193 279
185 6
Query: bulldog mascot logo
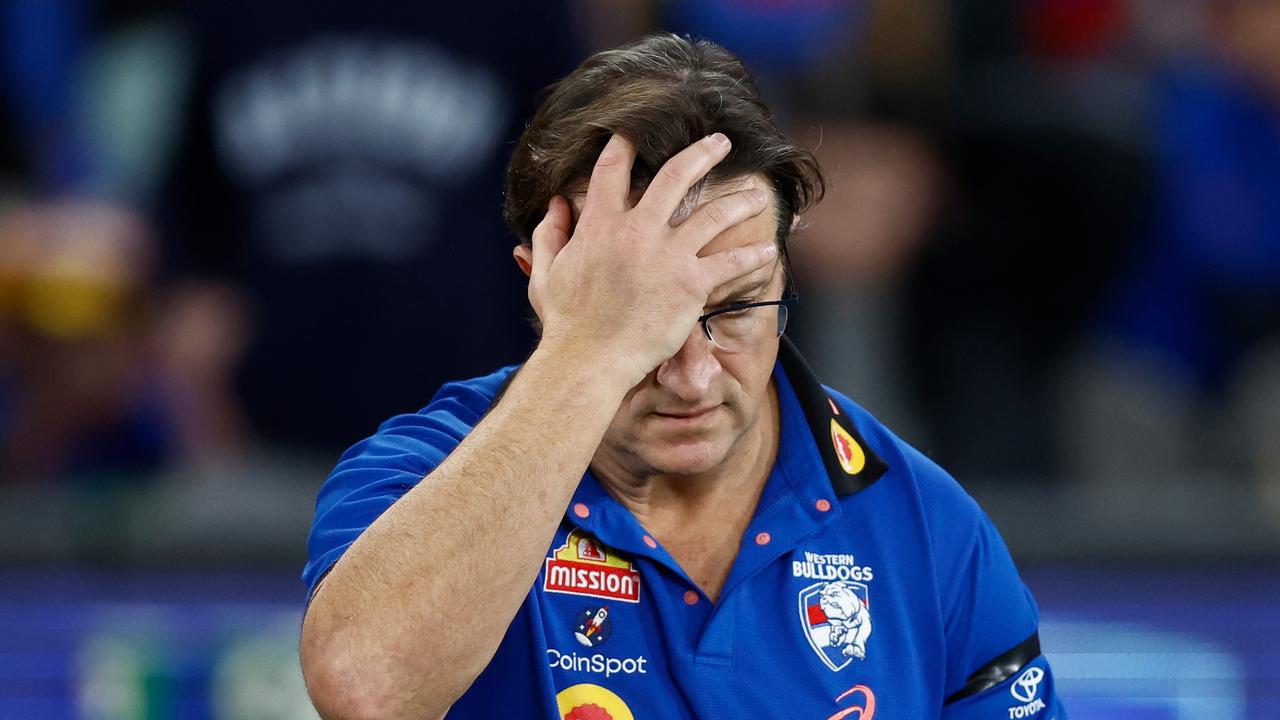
837 621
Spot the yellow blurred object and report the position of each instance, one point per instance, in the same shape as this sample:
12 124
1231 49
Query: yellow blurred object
65 306
10 289
70 270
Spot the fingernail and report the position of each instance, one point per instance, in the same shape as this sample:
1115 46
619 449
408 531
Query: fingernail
758 197
720 139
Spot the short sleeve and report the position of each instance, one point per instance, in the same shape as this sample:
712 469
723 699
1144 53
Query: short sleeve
987 608
995 668
376 472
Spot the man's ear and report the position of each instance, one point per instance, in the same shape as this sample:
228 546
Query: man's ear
524 258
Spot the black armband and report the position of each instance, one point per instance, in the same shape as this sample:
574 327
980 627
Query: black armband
1000 669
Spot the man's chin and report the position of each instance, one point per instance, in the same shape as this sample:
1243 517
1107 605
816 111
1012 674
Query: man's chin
690 458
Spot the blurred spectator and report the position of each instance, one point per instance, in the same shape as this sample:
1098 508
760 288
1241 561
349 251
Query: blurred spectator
40 46
1067 29
778 41
1191 338
342 170
1047 163
885 188
90 87
877 107
76 391
80 388
331 226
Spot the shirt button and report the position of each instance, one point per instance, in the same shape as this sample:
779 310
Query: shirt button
653 544
763 538
690 597
823 505
581 510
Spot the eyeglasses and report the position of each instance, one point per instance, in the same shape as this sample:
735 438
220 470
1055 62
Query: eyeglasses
738 327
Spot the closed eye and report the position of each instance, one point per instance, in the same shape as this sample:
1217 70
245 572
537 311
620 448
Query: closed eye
730 305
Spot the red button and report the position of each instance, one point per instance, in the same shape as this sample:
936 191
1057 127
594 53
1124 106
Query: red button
581 510
763 538
650 542
824 505
690 597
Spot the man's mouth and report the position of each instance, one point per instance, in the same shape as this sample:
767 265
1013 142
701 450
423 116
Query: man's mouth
685 414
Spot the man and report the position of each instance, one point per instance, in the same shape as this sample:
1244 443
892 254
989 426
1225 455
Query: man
662 457
324 147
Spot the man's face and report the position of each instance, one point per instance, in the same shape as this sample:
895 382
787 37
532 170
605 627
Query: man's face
694 412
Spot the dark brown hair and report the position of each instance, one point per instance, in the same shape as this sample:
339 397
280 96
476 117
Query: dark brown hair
662 93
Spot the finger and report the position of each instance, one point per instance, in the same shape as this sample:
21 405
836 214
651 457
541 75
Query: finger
551 235
732 263
721 214
611 176
681 172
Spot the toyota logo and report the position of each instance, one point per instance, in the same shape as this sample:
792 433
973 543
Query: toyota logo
1024 688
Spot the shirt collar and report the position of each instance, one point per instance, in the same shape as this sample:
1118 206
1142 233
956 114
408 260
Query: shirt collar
850 463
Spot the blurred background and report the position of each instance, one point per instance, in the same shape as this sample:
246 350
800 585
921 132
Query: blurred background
235 236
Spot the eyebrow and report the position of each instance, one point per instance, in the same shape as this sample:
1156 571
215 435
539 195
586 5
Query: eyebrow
745 288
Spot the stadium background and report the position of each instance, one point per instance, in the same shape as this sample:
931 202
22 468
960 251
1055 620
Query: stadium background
234 236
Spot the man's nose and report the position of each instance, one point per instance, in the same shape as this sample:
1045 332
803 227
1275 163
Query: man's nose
690 372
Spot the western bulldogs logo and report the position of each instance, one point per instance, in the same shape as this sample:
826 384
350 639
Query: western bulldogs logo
836 618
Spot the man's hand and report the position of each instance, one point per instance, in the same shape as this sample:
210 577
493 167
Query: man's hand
628 287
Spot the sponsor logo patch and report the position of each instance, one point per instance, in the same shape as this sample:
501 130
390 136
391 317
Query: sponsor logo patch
597 664
583 566
594 626
863 708
848 451
591 702
836 618
1024 690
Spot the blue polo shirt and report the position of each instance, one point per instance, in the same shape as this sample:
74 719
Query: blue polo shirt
867 585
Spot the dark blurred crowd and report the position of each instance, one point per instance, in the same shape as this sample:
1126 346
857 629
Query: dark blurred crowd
1050 248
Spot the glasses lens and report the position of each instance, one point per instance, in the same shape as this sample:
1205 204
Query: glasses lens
736 331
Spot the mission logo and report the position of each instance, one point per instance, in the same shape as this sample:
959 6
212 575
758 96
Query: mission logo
583 566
